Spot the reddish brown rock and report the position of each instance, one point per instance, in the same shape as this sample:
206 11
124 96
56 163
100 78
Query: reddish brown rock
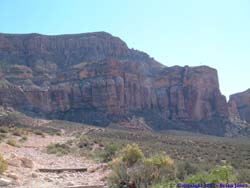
96 78
239 106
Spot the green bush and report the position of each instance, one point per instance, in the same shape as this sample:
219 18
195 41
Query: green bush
200 177
142 174
23 139
109 153
131 154
83 142
131 169
119 177
2 136
39 133
58 149
3 165
4 130
58 133
160 160
185 169
163 167
169 184
220 174
12 142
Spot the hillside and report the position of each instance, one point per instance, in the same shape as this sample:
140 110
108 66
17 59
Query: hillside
42 153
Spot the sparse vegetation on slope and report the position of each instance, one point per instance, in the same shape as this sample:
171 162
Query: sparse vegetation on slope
12 142
58 149
204 151
3 165
108 152
141 159
160 170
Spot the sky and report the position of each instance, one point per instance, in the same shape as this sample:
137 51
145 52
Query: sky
215 33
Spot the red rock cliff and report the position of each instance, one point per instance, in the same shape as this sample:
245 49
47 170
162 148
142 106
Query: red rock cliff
95 76
239 106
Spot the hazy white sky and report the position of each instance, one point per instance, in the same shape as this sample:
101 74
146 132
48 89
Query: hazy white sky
181 32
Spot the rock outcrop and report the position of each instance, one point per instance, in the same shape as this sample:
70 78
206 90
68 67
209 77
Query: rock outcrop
96 78
239 106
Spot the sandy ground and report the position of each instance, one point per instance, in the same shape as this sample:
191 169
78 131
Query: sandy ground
31 178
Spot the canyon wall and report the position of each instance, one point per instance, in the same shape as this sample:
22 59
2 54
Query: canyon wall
239 106
96 78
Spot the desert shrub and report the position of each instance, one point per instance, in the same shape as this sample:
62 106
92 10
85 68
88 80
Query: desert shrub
132 170
163 167
220 174
23 139
58 133
3 165
83 137
244 176
119 177
58 149
200 177
160 160
12 142
131 154
39 133
169 184
4 130
109 153
83 141
134 176
2 136
185 169
142 174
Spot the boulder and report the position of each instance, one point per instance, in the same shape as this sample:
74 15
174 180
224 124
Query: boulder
13 162
5 182
27 163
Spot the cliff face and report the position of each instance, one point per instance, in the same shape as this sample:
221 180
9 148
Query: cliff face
96 78
239 106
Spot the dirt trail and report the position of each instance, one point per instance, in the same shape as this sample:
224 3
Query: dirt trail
32 150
